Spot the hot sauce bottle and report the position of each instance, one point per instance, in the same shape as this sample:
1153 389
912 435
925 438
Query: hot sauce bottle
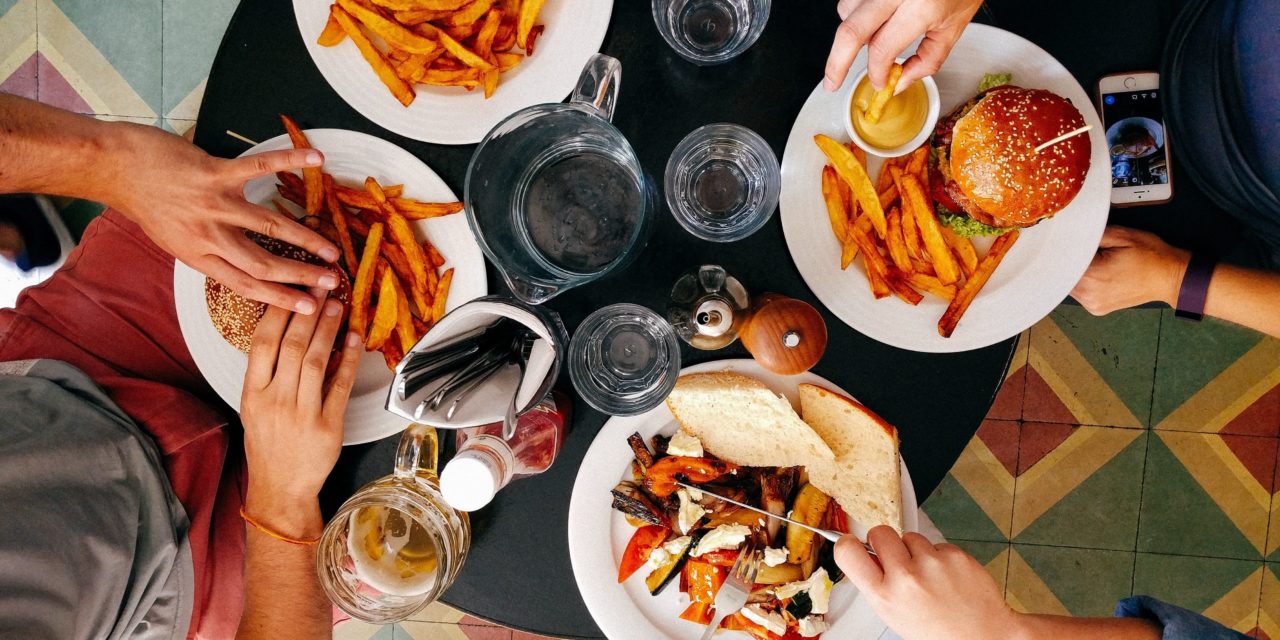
485 462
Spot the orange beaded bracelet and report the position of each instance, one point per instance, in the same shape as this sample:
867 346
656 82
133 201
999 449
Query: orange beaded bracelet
283 538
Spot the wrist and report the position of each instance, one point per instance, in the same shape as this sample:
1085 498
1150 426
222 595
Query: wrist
287 515
1175 269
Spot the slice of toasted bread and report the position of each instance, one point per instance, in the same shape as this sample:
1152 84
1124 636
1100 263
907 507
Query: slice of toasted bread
741 420
865 476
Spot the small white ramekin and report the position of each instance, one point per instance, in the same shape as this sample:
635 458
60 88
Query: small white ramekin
930 121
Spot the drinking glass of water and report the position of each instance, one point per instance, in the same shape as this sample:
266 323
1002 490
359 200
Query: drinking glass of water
624 359
710 31
722 182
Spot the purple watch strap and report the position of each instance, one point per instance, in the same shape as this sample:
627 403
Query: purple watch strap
1195 287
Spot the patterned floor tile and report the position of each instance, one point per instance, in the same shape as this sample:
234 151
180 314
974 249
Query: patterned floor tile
975 500
1008 402
993 555
1092 370
18 47
438 612
1217 377
1068 581
99 57
1269 603
192 32
356 630
1078 486
413 630
525 635
1222 589
1207 495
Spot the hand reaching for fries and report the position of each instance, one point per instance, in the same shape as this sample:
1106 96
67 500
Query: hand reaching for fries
1131 268
887 28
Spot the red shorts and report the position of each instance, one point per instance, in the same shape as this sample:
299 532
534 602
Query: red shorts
109 312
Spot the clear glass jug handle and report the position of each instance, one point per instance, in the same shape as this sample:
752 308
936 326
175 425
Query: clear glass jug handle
597 89
418 450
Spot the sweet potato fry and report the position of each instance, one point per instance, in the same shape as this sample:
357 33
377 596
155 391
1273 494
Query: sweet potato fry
529 10
386 73
851 171
927 222
392 354
455 48
339 218
422 5
416 210
395 34
384 314
403 236
966 294
534 34
433 254
407 335
966 255
332 34
932 285
362 290
895 243
312 177
441 296
468 14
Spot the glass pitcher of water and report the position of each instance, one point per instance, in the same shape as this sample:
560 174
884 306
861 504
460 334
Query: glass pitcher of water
395 546
556 194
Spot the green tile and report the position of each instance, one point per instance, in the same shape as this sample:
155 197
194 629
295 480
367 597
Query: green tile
1101 512
1179 516
1121 347
1196 583
1191 355
1088 582
192 33
989 554
955 513
127 34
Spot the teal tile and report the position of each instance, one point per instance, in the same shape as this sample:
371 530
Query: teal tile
1087 582
1226 590
6 5
1121 347
192 32
128 34
1191 355
957 515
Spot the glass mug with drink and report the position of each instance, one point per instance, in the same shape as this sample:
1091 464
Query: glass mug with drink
396 545
556 194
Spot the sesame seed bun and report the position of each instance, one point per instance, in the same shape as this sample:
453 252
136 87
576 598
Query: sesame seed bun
1003 180
236 317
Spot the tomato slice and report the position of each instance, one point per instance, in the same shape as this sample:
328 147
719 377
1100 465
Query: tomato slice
643 542
836 518
660 478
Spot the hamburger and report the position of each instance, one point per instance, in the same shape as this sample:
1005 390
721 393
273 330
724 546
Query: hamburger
985 173
236 317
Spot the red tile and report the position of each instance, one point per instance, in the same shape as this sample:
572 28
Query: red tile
1008 402
1262 418
1258 455
1037 440
1001 437
1041 404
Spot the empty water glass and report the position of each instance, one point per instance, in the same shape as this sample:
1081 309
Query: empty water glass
624 359
722 182
710 31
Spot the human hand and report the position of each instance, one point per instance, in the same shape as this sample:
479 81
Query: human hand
292 422
887 27
923 591
192 205
1131 268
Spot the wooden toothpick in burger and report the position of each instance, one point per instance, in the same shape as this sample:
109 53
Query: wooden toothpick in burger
1062 137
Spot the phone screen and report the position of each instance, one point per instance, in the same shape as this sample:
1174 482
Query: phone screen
1135 137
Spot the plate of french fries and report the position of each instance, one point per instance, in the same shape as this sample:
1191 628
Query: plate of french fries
406 249
865 236
447 71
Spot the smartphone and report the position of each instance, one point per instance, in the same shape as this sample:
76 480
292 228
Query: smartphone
1137 140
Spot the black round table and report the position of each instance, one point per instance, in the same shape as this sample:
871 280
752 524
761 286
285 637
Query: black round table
519 572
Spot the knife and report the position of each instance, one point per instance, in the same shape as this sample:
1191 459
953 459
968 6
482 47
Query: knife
833 536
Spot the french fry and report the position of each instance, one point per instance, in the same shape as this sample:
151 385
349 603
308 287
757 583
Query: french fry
881 97
441 296
507 61
932 285
363 287
468 14
392 354
407 335
402 234
888 197
455 48
966 255
898 284
384 314
529 10
332 34
877 270
415 17
533 38
920 266
850 249
422 5
885 179
916 160
415 210
433 254
837 211
895 243
966 294
339 219
930 230
386 73
312 177
488 31
395 34
847 166
911 234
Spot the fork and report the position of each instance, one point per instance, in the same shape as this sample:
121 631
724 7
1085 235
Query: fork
736 589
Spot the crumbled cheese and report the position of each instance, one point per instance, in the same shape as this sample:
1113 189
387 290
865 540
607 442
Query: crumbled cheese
818 585
812 626
790 589
725 536
696 494
774 557
662 554
683 444
771 620
690 512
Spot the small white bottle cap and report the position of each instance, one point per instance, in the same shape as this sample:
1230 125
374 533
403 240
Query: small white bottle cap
469 482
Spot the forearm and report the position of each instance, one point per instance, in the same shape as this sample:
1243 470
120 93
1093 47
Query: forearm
1246 297
48 150
283 598
1038 626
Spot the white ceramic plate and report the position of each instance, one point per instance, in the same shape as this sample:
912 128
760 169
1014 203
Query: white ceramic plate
575 30
350 157
1037 273
598 534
